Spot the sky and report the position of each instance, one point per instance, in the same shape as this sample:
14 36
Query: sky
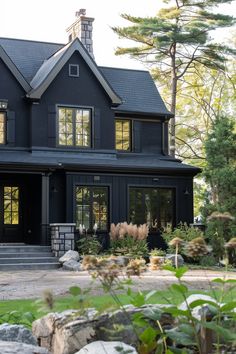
47 20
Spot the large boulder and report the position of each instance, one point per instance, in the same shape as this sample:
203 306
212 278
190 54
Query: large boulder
69 256
101 347
68 332
16 333
72 265
198 310
21 348
171 257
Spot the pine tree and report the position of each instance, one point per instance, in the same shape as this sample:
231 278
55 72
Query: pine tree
220 171
176 39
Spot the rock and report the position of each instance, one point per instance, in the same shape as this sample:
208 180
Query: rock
16 333
68 332
101 347
72 265
69 256
172 258
21 348
196 311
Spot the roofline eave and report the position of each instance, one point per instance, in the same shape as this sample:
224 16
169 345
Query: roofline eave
14 70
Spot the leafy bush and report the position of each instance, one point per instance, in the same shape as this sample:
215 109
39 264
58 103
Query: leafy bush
88 244
220 228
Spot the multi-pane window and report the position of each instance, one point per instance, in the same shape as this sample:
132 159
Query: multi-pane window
2 128
74 127
11 205
92 207
123 135
154 206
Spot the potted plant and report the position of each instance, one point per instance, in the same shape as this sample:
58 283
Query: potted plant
157 257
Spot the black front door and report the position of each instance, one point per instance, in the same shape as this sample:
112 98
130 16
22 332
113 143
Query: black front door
10 214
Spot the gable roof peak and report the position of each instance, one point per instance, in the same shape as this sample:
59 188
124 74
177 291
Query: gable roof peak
51 67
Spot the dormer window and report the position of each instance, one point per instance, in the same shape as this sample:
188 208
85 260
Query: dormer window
123 134
74 127
2 128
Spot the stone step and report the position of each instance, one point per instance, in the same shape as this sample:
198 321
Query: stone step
28 260
29 266
22 248
24 254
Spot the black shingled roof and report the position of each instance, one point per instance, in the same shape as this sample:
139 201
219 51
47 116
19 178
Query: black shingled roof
136 87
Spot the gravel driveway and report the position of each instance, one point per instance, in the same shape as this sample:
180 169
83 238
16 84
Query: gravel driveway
31 284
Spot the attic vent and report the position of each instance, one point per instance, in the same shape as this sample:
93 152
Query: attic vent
74 70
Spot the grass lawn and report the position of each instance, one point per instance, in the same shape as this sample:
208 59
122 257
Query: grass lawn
101 303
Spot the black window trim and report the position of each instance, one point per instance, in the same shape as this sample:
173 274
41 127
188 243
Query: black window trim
92 135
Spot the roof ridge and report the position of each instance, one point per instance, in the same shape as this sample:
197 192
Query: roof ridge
31 40
127 69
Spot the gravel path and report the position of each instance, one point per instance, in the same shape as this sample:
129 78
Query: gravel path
31 284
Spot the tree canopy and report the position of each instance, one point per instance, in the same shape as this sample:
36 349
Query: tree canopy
177 40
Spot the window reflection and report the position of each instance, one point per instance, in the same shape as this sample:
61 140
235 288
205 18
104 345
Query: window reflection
123 136
153 206
92 207
11 205
74 127
2 128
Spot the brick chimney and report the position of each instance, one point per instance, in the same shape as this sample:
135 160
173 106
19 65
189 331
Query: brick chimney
83 29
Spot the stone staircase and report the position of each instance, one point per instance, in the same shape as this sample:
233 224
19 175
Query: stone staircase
26 257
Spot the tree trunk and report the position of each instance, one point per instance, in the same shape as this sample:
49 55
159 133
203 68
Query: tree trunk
174 80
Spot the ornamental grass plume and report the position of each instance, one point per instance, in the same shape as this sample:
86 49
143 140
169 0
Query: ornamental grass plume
176 242
123 229
197 248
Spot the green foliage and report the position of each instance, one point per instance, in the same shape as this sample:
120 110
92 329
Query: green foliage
209 261
184 232
157 252
129 246
220 174
17 317
88 244
220 171
177 43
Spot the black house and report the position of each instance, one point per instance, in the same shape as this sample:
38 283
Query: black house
83 144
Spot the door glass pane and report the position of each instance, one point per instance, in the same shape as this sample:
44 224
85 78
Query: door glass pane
11 205
92 207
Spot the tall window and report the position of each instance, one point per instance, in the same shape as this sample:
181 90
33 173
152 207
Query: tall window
11 205
154 206
92 207
74 127
2 128
123 135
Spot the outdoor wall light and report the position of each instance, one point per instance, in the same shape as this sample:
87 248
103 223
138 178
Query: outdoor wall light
186 192
3 104
155 179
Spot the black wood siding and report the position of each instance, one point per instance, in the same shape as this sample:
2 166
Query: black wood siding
119 184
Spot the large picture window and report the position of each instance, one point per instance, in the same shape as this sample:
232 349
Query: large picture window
74 127
154 206
2 128
92 207
123 135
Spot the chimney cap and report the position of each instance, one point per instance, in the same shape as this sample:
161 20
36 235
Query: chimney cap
81 12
